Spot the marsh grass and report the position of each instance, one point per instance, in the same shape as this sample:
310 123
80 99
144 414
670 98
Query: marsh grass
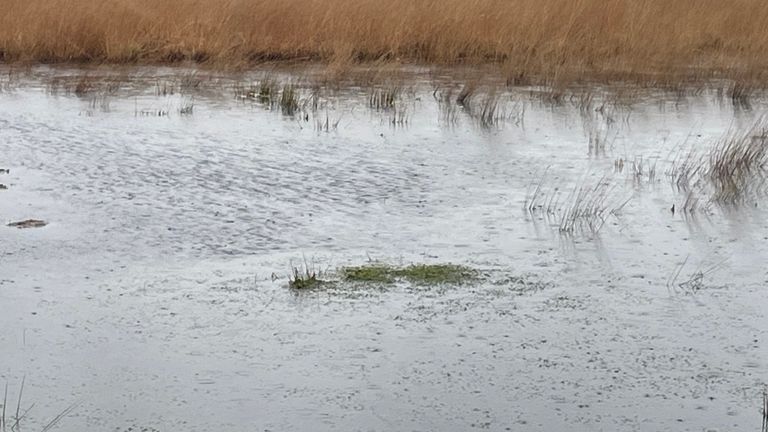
732 172
554 41
383 99
589 207
600 130
265 92
585 208
419 274
100 102
304 277
324 124
85 85
272 95
639 170
488 114
737 165
8 81
289 100
482 105
447 112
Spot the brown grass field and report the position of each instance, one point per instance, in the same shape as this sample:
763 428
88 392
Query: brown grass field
555 40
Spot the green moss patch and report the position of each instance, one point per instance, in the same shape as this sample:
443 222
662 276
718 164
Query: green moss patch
422 274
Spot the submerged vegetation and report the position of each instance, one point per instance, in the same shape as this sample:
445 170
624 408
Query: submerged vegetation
306 277
551 41
422 274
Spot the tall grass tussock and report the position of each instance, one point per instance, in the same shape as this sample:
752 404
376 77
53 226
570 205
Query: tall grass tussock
554 40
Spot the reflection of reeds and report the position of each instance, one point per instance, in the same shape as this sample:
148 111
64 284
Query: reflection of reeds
465 96
270 94
304 276
8 81
483 107
85 85
736 166
289 100
265 91
187 107
488 113
640 170
448 110
589 207
765 410
382 99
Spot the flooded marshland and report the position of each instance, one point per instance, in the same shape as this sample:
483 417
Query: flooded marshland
617 241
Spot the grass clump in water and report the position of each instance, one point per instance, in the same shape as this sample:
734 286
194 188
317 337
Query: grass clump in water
304 278
369 273
422 274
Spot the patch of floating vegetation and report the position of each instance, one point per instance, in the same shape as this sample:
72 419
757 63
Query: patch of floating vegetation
305 277
420 274
368 273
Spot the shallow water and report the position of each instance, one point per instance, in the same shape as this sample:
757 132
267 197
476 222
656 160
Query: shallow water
156 295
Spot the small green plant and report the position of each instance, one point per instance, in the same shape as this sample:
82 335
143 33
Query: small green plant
187 107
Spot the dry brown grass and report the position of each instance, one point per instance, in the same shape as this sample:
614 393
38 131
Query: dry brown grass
553 40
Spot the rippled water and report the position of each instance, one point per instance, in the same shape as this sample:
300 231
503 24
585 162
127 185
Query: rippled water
156 295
